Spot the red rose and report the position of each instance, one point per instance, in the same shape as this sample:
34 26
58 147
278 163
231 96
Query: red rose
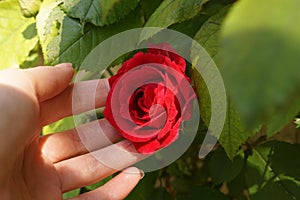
149 98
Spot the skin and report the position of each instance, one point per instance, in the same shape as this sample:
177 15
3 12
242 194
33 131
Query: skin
35 167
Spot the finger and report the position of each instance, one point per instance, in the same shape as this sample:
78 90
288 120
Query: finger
88 137
86 169
77 98
50 81
117 188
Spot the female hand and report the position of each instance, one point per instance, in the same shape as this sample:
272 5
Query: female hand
34 167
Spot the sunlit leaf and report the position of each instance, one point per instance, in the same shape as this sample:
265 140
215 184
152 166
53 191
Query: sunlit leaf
59 126
62 38
172 11
97 12
71 194
273 173
30 8
17 35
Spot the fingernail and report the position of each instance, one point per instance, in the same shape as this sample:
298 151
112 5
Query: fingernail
64 65
142 174
106 82
134 170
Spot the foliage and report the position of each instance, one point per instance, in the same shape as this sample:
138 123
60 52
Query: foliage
255 45
17 35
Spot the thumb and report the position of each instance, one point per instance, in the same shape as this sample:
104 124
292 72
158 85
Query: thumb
50 81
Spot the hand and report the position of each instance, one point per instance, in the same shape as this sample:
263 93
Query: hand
34 167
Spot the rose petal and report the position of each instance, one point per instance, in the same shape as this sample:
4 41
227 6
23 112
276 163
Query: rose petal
156 144
147 147
167 50
158 117
172 136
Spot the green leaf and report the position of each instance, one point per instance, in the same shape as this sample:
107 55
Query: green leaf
272 171
59 126
71 194
209 33
234 132
283 158
57 32
173 11
98 184
189 27
149 6
30 8
97 12
222 169
17 35
62 39
32 59
260 58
